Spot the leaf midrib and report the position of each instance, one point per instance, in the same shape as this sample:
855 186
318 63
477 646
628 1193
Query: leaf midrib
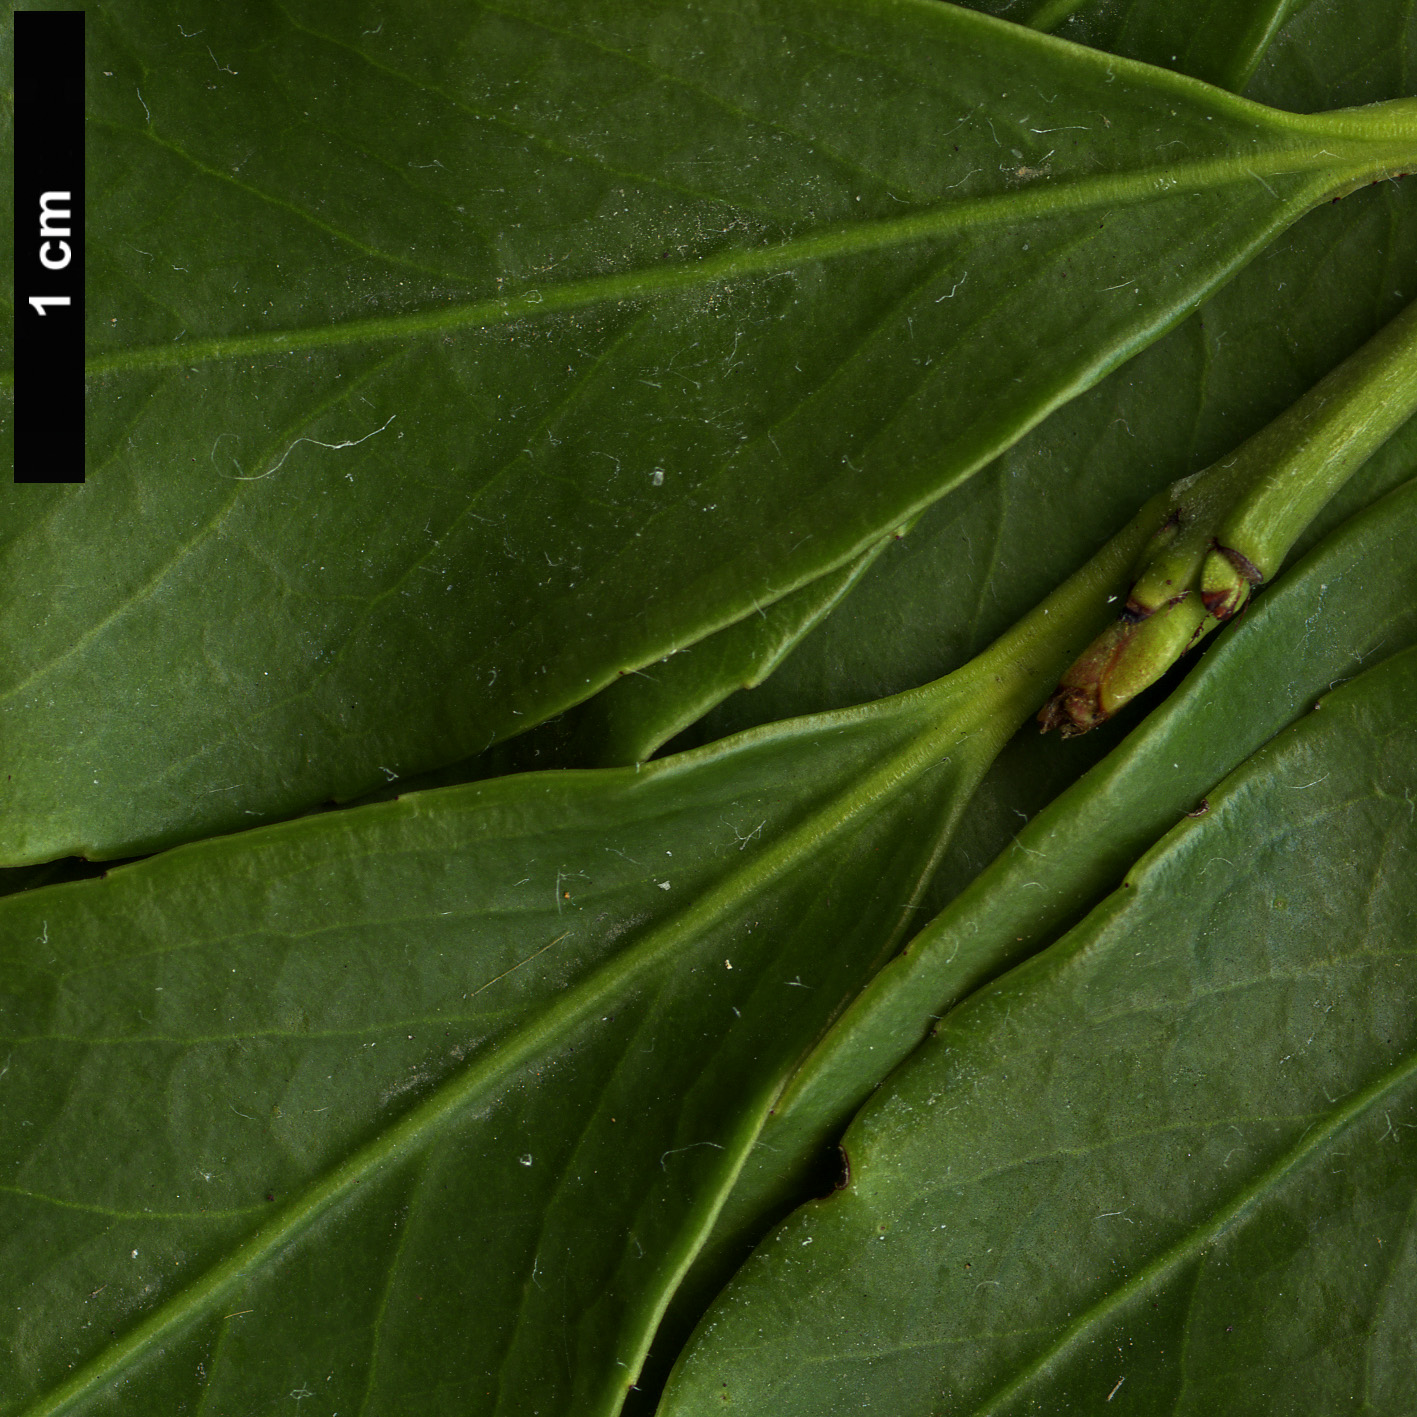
1192 1245
1105 191
401 1140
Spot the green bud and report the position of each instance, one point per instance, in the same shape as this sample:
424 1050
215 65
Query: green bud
1158 642
1128 656
1192 577
1227 577
1076 704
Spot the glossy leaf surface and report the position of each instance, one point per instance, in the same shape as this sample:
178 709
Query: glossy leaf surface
1354 597
639 712
977 559
402 1090
1333 51
1168 1152
1220 41
988 550
447 421
455 1041
627 721
531 1293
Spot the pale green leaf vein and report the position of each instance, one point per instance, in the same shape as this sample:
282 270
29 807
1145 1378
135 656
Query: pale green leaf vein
376 1339
111 1213
1038 202
185 549
812 142
279 203
1193 1245
406 1137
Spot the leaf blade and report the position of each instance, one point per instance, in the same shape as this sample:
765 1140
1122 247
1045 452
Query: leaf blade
1125 1137
1353 596
384 657
852 809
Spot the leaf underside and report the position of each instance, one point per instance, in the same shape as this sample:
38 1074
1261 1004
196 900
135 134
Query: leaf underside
416 1055
446 423
1353 598
429 1105
1169 1150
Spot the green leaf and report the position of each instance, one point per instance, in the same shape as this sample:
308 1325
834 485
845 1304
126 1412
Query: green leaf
28 878
498 446
1230 528
296 1096
1220 41
483 1112
391 1285
1356 595
1335 52
630 719
976 560
970 598
1169 1152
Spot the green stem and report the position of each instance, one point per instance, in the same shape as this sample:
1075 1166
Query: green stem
1230 527
1000 687
1308 453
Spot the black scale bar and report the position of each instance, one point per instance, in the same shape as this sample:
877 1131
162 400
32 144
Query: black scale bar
49 246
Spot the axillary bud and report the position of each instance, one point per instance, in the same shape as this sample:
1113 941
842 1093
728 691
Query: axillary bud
1227 577
1127 657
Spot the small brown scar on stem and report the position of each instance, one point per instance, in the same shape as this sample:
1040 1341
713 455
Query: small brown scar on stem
1242 563
1201 810
1216 603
